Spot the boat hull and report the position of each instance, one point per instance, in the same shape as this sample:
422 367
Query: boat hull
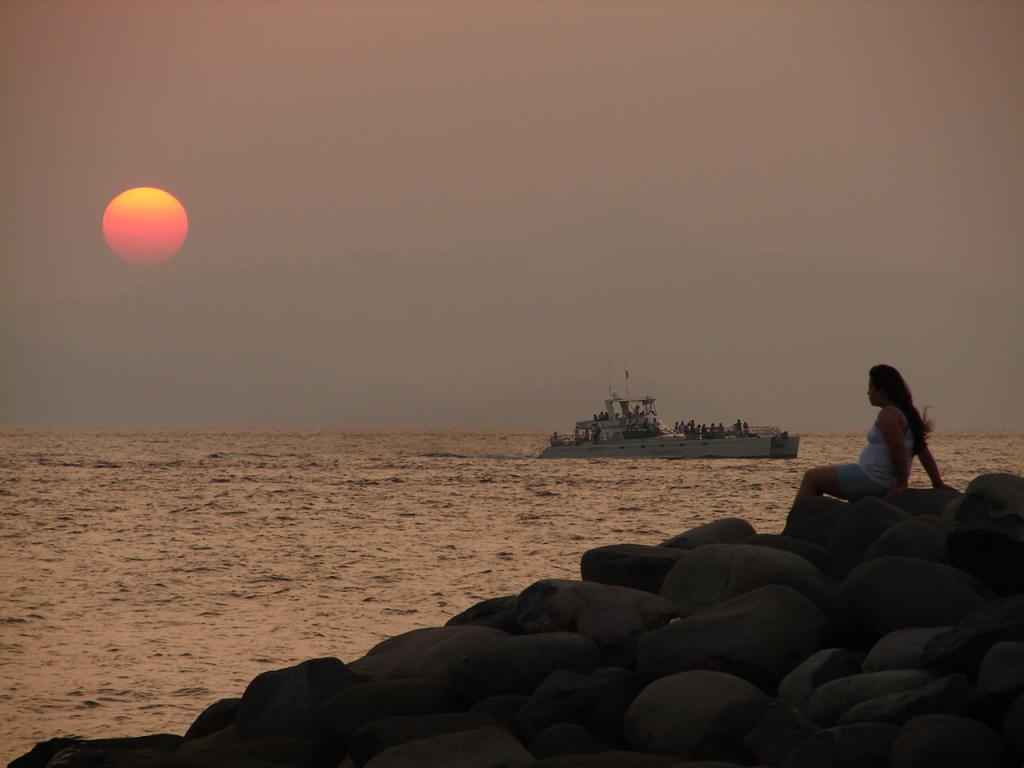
669 447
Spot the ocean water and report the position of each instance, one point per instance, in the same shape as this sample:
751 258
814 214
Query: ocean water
145 573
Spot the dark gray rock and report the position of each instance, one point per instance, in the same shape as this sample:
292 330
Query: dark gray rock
1013 728
864 745
780 731
616 758
813 520
857 530
504 709
831 700
1001 678
479 748
947 741
901 649
287 702
988 532
759 636
951 695
566 739
815 554
378 735
613 617
725 530
717 573
497 613
597 700
45 751
963 647
215 717
636 566
427 652
819 668
350 710
294 753
518 664
926 501
912 538
893 593
697 715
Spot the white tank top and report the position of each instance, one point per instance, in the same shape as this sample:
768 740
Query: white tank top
876 460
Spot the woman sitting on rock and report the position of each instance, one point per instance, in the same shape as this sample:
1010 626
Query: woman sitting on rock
883 469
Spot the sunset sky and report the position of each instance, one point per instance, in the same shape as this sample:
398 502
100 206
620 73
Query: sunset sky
747 203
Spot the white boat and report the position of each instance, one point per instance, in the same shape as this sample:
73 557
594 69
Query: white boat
631 429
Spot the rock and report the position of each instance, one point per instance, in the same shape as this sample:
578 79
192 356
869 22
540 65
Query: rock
912 538
817 669
348 711
988 532
480 748
781 730
864 745
616 758
832 699
294 753
925 501
725 530
815 554
613 617
716 573
287 702
893 593
215 717
636 566
44 752
699 715
855 532
518 664
814 519
1013 728
950 695
504 709
428 652
947 741
759 636
963 647
566 739
901 649
497 613
1001 677
597 700
378 735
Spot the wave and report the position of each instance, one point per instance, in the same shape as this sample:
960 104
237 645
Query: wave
463 455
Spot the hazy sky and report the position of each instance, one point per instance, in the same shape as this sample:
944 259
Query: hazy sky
572 165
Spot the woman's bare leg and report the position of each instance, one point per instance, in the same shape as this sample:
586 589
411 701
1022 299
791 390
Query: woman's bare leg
817 482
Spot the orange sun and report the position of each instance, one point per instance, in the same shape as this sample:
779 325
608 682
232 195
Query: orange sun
145 225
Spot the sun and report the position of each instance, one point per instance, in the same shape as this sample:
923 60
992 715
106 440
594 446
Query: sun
145 225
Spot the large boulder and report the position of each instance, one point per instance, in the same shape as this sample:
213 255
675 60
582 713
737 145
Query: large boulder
988 532
519 663
920 537
596 700
637 566
479 748
616 758
287 702
613 617
699 715
504 708
864 745
814 519
348 711
819 668
61 750
854 533
893 593
926 501
759 636
427 652
566 739
962 648
1001 677
815 554
725 530
950 695
947 741
831 700
215 717
378 735
1013 728
901 649
781 730
716 573
497 613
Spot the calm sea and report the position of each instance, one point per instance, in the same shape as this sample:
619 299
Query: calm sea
145 573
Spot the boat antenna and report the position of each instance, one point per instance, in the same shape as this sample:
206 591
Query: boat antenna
609 360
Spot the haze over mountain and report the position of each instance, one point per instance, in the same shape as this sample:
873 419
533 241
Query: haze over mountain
520 334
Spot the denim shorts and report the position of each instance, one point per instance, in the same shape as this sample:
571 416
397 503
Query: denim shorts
855 484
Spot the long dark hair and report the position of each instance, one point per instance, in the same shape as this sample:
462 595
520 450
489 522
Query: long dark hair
888 379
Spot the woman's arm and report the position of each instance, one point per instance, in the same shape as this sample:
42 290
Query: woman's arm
932 468
890 424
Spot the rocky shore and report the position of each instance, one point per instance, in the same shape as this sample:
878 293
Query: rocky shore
864 635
